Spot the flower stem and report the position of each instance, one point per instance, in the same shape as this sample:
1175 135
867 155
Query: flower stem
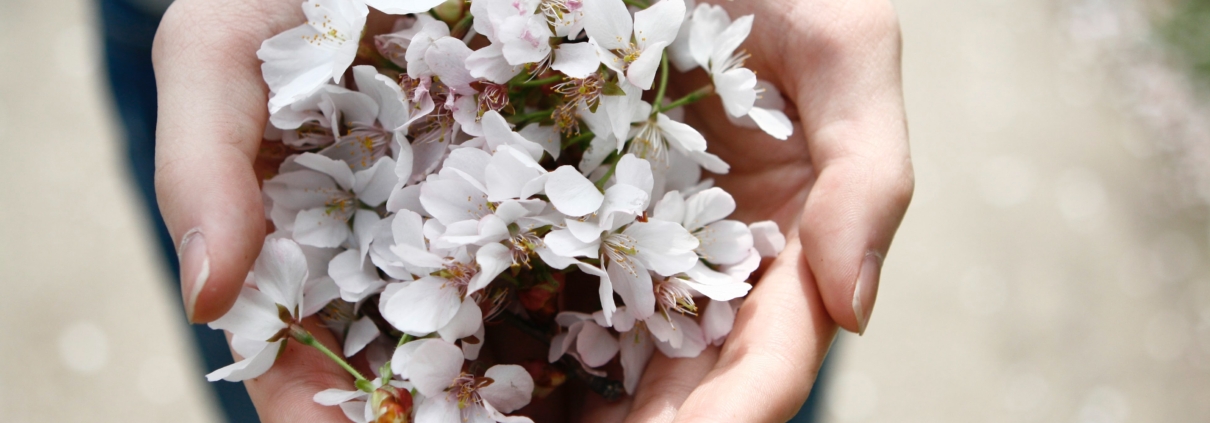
303 336
613 168
404 339
538 82
690 98
538 115
578 139
659 94
636 3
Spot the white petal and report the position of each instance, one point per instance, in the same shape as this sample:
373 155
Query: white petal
330 397
249 367
401 360
320 292
374 185
604 292
597 151
423 306
729 40
664 332
634 286
468 320
393 107
724 242
670 208
338 170
319 228
562 242
635 171
511 388
576 60
642 71
707 207
451 201
608 23
253 316
433 368
493 259
708 22
692 341
355 279
666 247
709 162
680 135
403 7
281 272
361 333
508 172
406 198
470 350
716 285
489 63
767 238
553 260
571 193
737 89
439 409
546 136
773 122
636 348
595 345
447 57
659 23
717 320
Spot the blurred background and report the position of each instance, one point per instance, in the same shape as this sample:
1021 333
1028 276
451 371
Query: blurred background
1052 267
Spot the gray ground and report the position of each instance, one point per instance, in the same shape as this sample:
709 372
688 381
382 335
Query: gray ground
1050 268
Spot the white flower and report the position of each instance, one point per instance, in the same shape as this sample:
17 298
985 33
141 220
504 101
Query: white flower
315 203
590 343
768 113
298 61
256 319
454 396
660 133
383 400
394 45
444 302
633 48
403 7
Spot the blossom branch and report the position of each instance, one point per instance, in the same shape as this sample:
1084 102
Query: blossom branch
304 337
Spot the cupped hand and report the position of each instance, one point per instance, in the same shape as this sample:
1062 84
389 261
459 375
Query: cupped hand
840 185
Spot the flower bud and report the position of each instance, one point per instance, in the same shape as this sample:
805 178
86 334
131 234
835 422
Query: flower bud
391 405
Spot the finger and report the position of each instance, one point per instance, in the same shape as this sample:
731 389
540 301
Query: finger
285 392
850 101
212 111
767 366
666 383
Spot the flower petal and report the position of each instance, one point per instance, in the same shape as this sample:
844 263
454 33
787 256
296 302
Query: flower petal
692 341
253 316
468 320
355 279
571 193
511 388
682 136
773 122
447 58
608 23
576 60
338 170
724 242
361 333
423 306
281 272
596 345
374 185
641 72
451 201
249 367
707 207
633 284
433 368
659 23
636 349
737 89
319 228
767 238
403 7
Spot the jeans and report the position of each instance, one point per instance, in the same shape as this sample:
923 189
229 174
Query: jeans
129 32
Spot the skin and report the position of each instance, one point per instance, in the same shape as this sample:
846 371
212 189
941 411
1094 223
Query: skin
840 187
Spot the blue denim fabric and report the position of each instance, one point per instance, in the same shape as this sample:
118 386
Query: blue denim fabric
129 32
128 35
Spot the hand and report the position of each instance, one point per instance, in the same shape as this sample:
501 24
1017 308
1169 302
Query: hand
850 156
840 185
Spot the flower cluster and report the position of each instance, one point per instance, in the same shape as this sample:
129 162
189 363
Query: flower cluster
474 166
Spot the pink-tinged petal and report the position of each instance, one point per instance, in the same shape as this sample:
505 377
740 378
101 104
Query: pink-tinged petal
511 389
468 321
692 342
338 170
330 397
253 316
724 242
489 63
361 333
622 321
633 284
452 201
374 185
440 409
671 208
767 238
737 89
642 71
281 271
604 292
663 330
666 247
564 243
354 277
423 306
493 259
571 193
608 23
466 114
494 416
447 57
319 228
403 7
249 367
596 345
716 285
636 172
433 368
729 40
418 66
526 39
576 60
680 135
707 207
563 341
636 349
545 136
717 320
659 23
393 107
773 122
708 22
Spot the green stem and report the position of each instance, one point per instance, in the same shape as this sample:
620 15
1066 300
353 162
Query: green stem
659 94
612 168
538 115
690 98
304 337
636 3
538 82
463 25
578 139
404 339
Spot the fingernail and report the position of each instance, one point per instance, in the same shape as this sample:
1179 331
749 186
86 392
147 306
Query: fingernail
866 289
195 268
